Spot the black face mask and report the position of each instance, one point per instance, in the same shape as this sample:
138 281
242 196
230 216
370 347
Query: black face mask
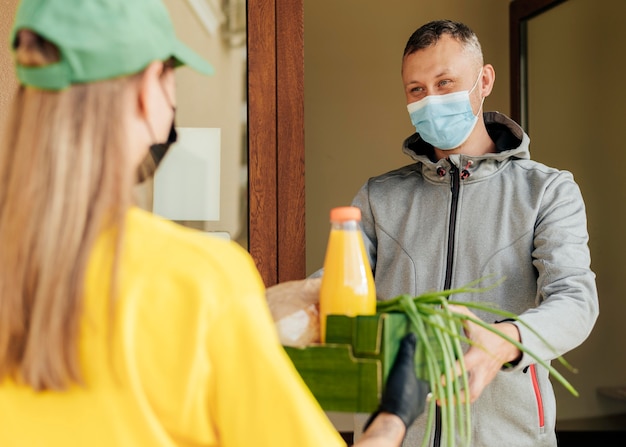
158 150
156 154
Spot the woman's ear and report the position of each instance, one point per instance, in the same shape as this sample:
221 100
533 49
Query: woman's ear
149 89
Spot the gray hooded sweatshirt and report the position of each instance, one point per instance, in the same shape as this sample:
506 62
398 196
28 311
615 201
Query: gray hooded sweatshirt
441 224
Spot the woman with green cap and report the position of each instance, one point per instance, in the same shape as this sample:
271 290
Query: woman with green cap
119 328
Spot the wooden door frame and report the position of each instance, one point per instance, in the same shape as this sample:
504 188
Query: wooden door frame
276 204
519 12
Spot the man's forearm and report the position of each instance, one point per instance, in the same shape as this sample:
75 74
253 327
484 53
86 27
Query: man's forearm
387 430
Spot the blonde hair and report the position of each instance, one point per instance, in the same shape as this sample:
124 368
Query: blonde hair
62 181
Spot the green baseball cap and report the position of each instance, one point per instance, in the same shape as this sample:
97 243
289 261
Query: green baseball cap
100 39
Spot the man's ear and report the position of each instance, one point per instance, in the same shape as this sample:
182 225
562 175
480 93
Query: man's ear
147 92
488 78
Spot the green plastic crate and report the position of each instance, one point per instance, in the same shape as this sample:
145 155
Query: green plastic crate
347 373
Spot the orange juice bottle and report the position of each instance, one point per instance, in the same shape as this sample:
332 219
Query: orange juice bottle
347 282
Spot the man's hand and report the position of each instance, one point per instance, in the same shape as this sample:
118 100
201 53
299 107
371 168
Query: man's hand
487 354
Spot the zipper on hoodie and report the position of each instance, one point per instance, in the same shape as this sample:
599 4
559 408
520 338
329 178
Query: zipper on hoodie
455 181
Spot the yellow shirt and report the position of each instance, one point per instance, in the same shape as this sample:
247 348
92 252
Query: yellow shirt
194 361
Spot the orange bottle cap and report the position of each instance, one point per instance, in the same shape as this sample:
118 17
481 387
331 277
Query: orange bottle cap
343 213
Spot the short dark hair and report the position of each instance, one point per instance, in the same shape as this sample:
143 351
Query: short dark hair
429 34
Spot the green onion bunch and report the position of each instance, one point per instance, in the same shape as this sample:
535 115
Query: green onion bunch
440 338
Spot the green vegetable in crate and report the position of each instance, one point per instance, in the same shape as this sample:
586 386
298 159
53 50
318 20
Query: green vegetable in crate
439 325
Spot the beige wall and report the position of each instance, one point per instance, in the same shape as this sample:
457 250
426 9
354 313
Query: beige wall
216 101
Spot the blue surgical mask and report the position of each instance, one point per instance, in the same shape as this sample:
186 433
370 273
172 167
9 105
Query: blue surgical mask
445 121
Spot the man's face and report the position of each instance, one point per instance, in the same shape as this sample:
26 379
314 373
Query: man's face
439 69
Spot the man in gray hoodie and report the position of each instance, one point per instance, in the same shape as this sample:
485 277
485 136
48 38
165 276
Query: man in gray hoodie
474 204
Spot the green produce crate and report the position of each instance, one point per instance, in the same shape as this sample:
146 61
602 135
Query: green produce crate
347 373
